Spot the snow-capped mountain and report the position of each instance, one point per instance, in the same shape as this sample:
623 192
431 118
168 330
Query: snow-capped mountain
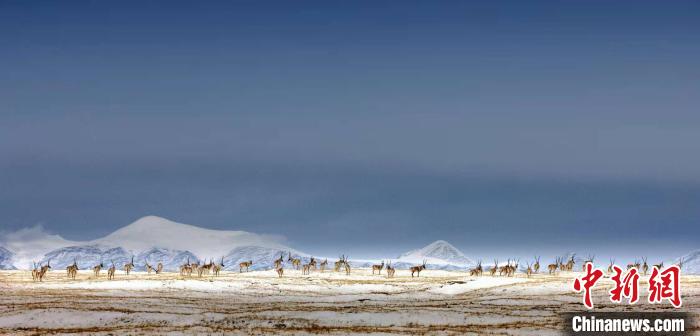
439 255
86 256
6 259
153 231
153 239
691 262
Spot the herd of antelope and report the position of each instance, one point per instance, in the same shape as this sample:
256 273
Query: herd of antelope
508 269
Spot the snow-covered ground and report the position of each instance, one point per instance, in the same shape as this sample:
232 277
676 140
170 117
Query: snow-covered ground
259 302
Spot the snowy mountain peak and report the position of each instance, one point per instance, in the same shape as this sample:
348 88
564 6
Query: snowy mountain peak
154 224
153 231
438 252
691 262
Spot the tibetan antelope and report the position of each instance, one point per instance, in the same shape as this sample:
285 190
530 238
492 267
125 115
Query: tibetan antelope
306 269
149 268
612 264
43 270
296 262
205 268
97 269
278 262
570 263
634 265
280 270
390 270
418 269
552 268
536 266
246 265
529 269
313 263
343 262
35 272
504 269
645 266
159 268
378 268
324 264
476 271
110 272
661 265
72 270
217 268
128 267
186 269
340 263
493 269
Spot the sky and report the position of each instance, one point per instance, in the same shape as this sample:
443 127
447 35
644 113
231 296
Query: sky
367 127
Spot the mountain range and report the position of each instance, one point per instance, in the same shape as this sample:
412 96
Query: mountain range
156 240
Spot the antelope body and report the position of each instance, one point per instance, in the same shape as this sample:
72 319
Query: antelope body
378 268
418 269
246 265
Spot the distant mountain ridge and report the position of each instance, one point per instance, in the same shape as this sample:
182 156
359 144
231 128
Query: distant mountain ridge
6 257
438 253
156 240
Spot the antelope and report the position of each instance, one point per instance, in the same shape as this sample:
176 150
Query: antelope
246 265
306 269
494 268
417 269
128 267
296 262
111 271
378 268
504 269
149 268
570 263
97 269
635 265
390 270
43 270
344 263
610 267
204 269
529 269
552 268
278 262
324 264
645 266
72 270
514 268
661 265
280 270
476 271
217 268
186 269
536 266
339 263
159 268
35 272
313 263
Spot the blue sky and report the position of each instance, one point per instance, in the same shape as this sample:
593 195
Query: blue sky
364 126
